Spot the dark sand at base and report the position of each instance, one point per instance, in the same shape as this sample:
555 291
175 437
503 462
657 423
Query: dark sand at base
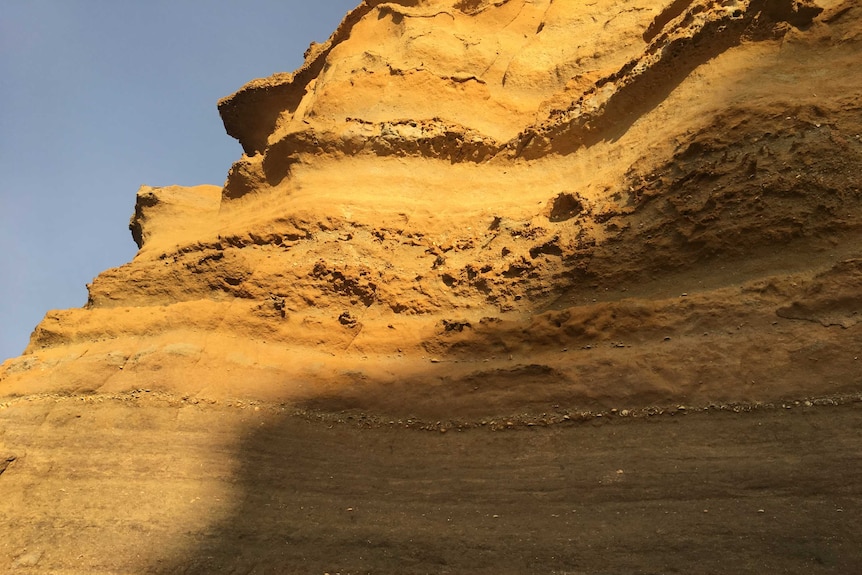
153 484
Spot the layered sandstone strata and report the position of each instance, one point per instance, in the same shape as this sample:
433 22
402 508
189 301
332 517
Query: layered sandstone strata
478 207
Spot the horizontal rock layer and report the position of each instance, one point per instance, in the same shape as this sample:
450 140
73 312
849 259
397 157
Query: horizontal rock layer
474 208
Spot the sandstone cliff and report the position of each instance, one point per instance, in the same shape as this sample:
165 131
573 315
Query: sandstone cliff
472 208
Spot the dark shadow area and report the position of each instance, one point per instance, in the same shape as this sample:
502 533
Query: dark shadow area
674 10
768 491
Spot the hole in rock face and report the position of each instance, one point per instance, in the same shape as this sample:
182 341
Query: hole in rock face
548 249
565 207
346 319
799 14
470 6
451 325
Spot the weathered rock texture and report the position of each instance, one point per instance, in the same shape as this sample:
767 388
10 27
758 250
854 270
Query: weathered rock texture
464 209
531 225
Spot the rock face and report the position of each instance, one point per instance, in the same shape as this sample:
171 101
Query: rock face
479 218
475 207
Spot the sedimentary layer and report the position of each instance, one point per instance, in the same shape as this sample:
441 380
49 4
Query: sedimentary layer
475 208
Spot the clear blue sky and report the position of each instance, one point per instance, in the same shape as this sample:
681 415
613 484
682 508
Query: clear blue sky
100 96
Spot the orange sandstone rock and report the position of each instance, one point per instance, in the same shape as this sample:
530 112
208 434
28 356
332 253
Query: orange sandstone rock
482 207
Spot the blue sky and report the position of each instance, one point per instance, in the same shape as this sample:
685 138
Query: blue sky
100 96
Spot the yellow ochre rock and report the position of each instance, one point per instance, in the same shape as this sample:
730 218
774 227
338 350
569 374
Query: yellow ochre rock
500 206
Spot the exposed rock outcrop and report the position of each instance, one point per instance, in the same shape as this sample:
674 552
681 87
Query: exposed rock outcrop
615 205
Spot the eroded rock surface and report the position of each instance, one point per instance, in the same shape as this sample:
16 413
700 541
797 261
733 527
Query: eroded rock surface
473 208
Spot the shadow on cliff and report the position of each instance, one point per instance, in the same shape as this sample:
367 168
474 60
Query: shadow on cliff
345 493
331 489
675 494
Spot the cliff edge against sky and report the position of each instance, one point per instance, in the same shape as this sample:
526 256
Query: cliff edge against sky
477 208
